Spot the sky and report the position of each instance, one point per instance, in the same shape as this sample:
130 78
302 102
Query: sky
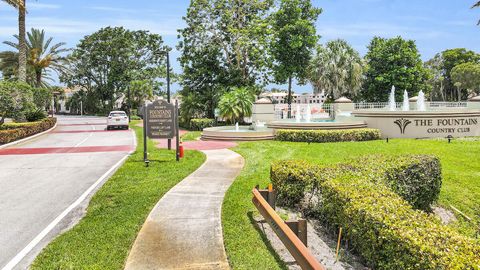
436 25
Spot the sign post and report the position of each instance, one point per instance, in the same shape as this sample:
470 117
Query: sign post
145 157
177 133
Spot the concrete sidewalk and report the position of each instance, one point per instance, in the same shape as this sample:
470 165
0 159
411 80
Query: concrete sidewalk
184 230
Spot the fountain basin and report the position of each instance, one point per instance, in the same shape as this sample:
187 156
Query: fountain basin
422 124
244 133
325 124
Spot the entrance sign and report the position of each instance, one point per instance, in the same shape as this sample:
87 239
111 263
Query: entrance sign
423 124
161 120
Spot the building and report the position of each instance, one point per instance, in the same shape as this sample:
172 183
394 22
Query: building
305 98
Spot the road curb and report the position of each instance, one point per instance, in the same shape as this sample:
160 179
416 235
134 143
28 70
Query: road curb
29 137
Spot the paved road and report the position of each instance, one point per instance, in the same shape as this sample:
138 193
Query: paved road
41 178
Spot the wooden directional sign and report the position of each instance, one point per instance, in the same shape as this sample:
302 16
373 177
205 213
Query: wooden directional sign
160 120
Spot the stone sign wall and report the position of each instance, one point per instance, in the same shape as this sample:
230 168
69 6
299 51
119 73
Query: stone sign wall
423 124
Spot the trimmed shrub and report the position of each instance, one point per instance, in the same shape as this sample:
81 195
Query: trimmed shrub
323 136
37 115
292 179
17 131
388 233
381 226
201 123
416 178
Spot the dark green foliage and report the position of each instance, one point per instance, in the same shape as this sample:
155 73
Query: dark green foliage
222 46
322 136
396 62
293 39
380 225
201 123
416 178
35 115
14 132
15 100
236 104
106 62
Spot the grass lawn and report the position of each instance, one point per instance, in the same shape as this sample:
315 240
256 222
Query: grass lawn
244 244
103 238
191 136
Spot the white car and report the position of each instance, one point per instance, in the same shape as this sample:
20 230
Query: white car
117 119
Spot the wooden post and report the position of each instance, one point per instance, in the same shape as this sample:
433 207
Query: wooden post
302 231
338 243
271 197
293 225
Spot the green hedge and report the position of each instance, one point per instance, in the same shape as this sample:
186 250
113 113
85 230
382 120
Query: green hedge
380 225
323 136
201 123
16 131
416 178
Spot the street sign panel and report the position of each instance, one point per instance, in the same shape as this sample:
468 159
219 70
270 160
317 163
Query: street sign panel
160 120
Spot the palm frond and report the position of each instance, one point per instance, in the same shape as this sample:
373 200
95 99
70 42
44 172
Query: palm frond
15 3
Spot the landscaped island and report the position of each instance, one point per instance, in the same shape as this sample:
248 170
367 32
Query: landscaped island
458 189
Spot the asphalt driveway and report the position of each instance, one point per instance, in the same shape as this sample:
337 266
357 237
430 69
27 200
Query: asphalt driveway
43 179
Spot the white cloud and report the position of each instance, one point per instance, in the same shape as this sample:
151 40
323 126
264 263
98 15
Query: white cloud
370 29
113 9
42 6
62 26
164 28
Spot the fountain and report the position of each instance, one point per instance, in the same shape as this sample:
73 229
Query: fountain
308 114
391 100
236 127
421 102
406 103
297 114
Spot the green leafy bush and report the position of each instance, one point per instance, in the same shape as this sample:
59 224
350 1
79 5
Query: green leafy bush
201 123
323 136
416 178
16 99
13 132
380 225
36 115
292 178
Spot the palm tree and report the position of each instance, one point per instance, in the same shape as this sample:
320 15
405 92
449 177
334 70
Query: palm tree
336 69
236 104
22 47
476 5
42 55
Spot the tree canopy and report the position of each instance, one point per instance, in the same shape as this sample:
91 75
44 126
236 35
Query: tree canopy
336 69
294 37
467 77
222 45
396 62
106 62
441 66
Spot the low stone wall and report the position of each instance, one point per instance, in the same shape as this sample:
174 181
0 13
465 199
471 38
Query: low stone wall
416 124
